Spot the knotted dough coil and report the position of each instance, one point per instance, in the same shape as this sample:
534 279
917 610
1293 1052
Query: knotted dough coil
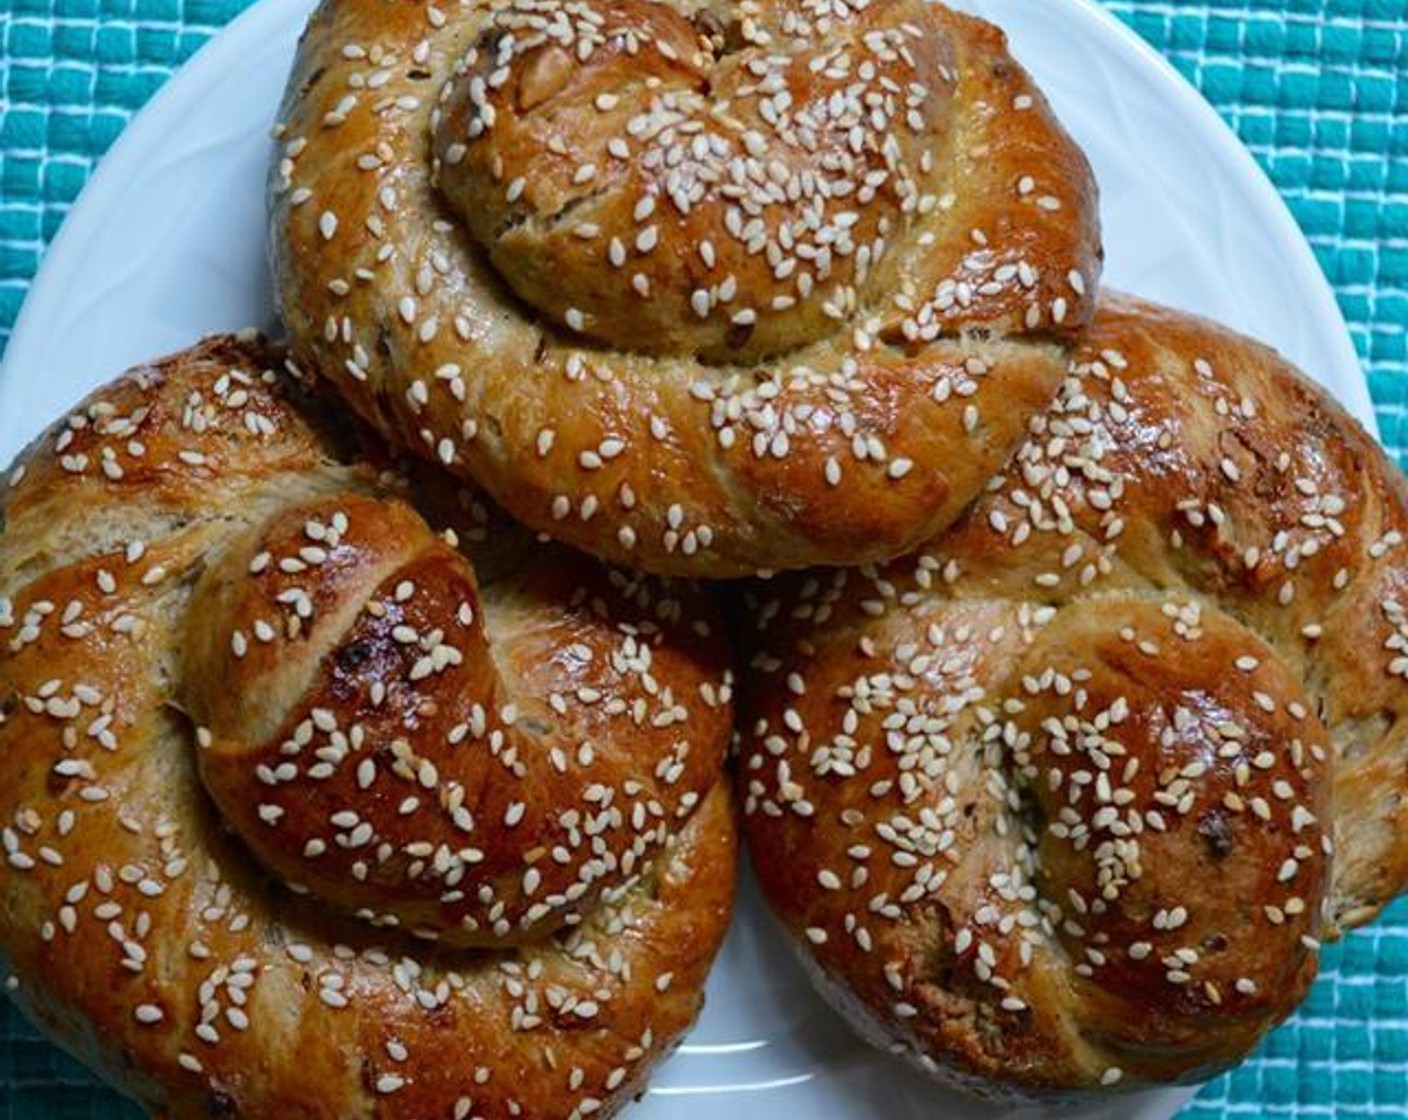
702 288
1067 800
331 793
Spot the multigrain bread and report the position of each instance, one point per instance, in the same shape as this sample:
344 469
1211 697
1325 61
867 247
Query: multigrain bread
329 793
702 288
1068 800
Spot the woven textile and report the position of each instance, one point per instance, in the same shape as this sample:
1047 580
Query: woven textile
1318 89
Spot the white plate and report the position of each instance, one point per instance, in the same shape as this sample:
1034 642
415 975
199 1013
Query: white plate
167 243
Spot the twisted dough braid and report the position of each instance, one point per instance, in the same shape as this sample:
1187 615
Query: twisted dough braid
234 651
1051 805
706 288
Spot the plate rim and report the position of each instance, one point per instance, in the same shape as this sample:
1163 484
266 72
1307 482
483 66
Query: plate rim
1310 276
84 212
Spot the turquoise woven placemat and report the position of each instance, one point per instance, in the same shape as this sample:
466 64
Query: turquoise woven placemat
1317 88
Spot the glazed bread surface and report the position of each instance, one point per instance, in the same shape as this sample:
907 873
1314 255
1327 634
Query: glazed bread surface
1067 801
702 288
327 791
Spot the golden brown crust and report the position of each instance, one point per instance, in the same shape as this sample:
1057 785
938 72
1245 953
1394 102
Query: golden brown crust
161 949
704 288
1050 805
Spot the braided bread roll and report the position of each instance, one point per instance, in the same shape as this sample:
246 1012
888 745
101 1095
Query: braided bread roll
1068 800
234 653
703 288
